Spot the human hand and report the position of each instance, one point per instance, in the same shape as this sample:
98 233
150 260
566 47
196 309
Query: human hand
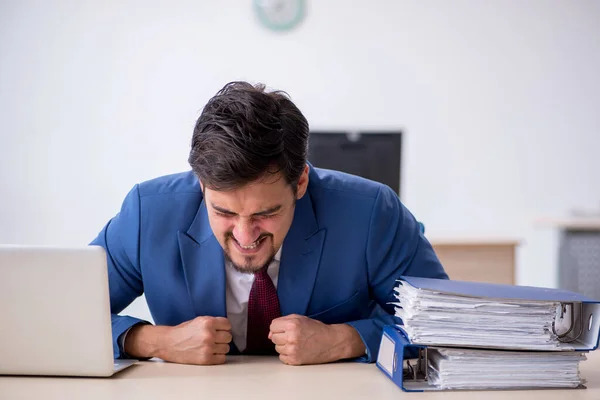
201 341
301 340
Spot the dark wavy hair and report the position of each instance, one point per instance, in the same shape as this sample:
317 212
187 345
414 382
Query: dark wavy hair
245 132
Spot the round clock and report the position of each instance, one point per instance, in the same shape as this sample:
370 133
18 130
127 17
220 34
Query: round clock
279 15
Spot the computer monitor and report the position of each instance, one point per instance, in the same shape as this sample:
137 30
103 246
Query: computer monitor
369 154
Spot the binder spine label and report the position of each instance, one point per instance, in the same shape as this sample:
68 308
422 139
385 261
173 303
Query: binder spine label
385 358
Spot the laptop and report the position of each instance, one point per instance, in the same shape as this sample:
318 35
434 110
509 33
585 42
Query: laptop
55 312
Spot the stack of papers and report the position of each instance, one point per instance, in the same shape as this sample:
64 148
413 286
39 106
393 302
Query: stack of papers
462 369
443 319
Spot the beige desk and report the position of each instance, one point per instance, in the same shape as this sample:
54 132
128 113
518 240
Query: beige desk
575 223
260 378
478 260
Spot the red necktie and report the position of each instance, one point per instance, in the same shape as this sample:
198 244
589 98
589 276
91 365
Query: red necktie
263 307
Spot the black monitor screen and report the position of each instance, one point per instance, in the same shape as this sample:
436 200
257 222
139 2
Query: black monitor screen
372 155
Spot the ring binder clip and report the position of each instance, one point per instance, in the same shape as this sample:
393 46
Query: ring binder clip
422 369
408 372
419 371
564 337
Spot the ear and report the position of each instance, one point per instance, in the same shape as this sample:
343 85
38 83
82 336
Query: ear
302 183
202 188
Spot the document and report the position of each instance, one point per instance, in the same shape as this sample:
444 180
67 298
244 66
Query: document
495 369
436 318
459 335
431 368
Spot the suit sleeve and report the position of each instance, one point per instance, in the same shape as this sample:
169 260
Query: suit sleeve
120 237
395 247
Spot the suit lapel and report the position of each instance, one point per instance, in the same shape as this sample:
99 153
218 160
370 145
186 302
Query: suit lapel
300 259
203 266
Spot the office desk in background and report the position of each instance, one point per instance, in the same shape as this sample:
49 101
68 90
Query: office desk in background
478 260
261 378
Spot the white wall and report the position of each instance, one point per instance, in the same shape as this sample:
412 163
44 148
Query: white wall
500 102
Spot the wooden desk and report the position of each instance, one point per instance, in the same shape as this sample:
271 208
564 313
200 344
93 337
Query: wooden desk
261 378
574 223
478 260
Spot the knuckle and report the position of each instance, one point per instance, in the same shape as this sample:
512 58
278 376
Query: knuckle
277 341
294 338
209 323
294 324
209 337
222 349
226 324
292 349
223 337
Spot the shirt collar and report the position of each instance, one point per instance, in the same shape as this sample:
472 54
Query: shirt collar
277 256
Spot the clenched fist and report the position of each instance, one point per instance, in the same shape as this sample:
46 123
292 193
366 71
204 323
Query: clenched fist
202 341
301 340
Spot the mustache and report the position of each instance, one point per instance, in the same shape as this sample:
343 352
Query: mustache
229 235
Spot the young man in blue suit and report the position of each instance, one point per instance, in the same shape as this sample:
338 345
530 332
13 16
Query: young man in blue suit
255 251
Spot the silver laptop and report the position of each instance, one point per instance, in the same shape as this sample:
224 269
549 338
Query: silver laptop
55 312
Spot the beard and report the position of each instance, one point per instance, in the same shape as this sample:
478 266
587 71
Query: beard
250 265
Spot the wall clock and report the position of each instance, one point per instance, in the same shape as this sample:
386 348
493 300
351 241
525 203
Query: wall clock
279 15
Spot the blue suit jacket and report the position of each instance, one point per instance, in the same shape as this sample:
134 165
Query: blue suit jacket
349 241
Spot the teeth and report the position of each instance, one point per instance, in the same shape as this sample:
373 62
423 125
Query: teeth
252 246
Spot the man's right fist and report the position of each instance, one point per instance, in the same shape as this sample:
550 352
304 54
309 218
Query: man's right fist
201 341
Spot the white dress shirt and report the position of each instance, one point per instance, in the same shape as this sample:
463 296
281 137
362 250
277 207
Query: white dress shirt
238 289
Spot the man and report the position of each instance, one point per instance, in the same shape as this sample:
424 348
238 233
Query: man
255 251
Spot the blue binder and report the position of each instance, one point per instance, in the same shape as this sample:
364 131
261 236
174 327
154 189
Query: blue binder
393 350
578 330
582 326
405 363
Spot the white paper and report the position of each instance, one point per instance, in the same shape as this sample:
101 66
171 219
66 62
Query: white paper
487 369
434 318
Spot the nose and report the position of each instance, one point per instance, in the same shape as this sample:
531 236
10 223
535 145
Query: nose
245 232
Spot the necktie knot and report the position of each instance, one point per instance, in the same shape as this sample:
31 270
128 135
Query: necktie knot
261 274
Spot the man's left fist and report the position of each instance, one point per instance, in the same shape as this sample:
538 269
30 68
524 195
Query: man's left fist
300 340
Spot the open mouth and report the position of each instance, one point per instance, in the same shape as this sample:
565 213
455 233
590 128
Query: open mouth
252 247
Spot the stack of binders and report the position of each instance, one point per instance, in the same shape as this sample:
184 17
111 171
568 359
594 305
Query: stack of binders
459 335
